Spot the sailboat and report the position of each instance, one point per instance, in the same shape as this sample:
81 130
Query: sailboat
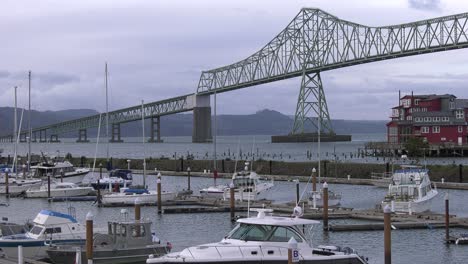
315 198
127 196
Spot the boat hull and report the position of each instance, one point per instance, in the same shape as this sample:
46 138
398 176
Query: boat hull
129 199
59 192
15 189
417 206
108 256
73 177
32 248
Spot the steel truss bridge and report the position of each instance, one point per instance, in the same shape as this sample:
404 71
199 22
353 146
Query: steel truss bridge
313 42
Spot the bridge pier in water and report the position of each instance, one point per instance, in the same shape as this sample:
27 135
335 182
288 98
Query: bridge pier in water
116 134
201 132
42 139
82 136
54 138
155 130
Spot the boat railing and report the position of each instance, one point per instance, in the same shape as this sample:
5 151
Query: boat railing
254 250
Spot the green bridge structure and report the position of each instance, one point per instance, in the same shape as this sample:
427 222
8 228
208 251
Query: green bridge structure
313 42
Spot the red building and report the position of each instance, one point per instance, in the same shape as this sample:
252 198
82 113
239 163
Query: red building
435 118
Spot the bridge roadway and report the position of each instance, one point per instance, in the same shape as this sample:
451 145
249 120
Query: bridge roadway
314 41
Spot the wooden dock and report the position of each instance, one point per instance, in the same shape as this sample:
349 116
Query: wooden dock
26 261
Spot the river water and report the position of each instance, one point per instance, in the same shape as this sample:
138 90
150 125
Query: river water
227 147
182 230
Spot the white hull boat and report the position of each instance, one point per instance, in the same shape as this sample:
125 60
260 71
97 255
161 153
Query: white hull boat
49 226
263 239
334 199
19 186
410 191
63 189
70 173
214 191
128 198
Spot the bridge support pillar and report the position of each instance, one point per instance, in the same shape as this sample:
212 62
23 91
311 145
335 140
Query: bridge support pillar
23 137
82 136
54 138
41 133
201 132
116 133
34 137
155 130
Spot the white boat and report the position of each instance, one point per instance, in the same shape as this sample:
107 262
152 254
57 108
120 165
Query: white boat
214 191
70 173
18 185
128 196
410 190
60 189
48 226
118 177
264 239
315 199
381 179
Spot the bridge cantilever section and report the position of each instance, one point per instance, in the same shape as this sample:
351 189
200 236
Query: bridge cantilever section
154 109
316 41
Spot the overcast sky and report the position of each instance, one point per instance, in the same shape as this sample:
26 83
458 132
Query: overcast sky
157 49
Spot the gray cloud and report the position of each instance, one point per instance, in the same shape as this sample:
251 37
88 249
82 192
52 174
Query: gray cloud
4 74
431 5
53 78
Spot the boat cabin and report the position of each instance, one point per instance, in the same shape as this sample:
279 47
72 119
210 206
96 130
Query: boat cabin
128 234
409 183
51 224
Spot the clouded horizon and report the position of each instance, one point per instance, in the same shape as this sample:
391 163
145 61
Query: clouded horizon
157 49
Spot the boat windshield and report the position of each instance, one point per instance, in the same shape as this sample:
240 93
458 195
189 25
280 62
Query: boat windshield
249 232
36 230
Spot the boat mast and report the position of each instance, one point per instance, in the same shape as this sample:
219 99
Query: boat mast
29 123
15 131
318 135
107 119
215 172
143 141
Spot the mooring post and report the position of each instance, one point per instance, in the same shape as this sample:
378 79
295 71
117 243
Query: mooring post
325 206
314 180
159 195
89 237
188 178
128 164
232 202
48 187
138 215
387 235
61 175
20 255
297 192
460 173
99 197
7 183
78 256
100 171
447 218
24 171
293 253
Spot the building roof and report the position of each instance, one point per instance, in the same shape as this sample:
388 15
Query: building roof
428 97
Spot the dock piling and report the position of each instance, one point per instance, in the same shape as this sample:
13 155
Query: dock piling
89 237
159 195
7 183
100 171
232 202
61 175
387 235
48 187
325 206
188 178
78 256
314 180
20 255
99 197
297 192
138 215
447 218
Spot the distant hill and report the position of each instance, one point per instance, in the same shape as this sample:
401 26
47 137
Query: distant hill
264 122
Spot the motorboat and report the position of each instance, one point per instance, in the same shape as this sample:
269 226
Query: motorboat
315 199
17 186
125 242
264 239
127 196
118 177
56 169
59 189
410 190
214 191
48 226
382 180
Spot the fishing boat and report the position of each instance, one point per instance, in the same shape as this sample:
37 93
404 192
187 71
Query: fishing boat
264 239
56 169
410 190
128 196
125 242
59 189
248 185
48 226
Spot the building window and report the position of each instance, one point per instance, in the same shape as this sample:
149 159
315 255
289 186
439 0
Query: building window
416 101
437 119
436 129
424 109
406 102
459 114
424 130
427 119
393 130
445 119
452 105
460 129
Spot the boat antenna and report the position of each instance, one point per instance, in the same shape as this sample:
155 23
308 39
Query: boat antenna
97 143
143 140
107 117
29 123
318 137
